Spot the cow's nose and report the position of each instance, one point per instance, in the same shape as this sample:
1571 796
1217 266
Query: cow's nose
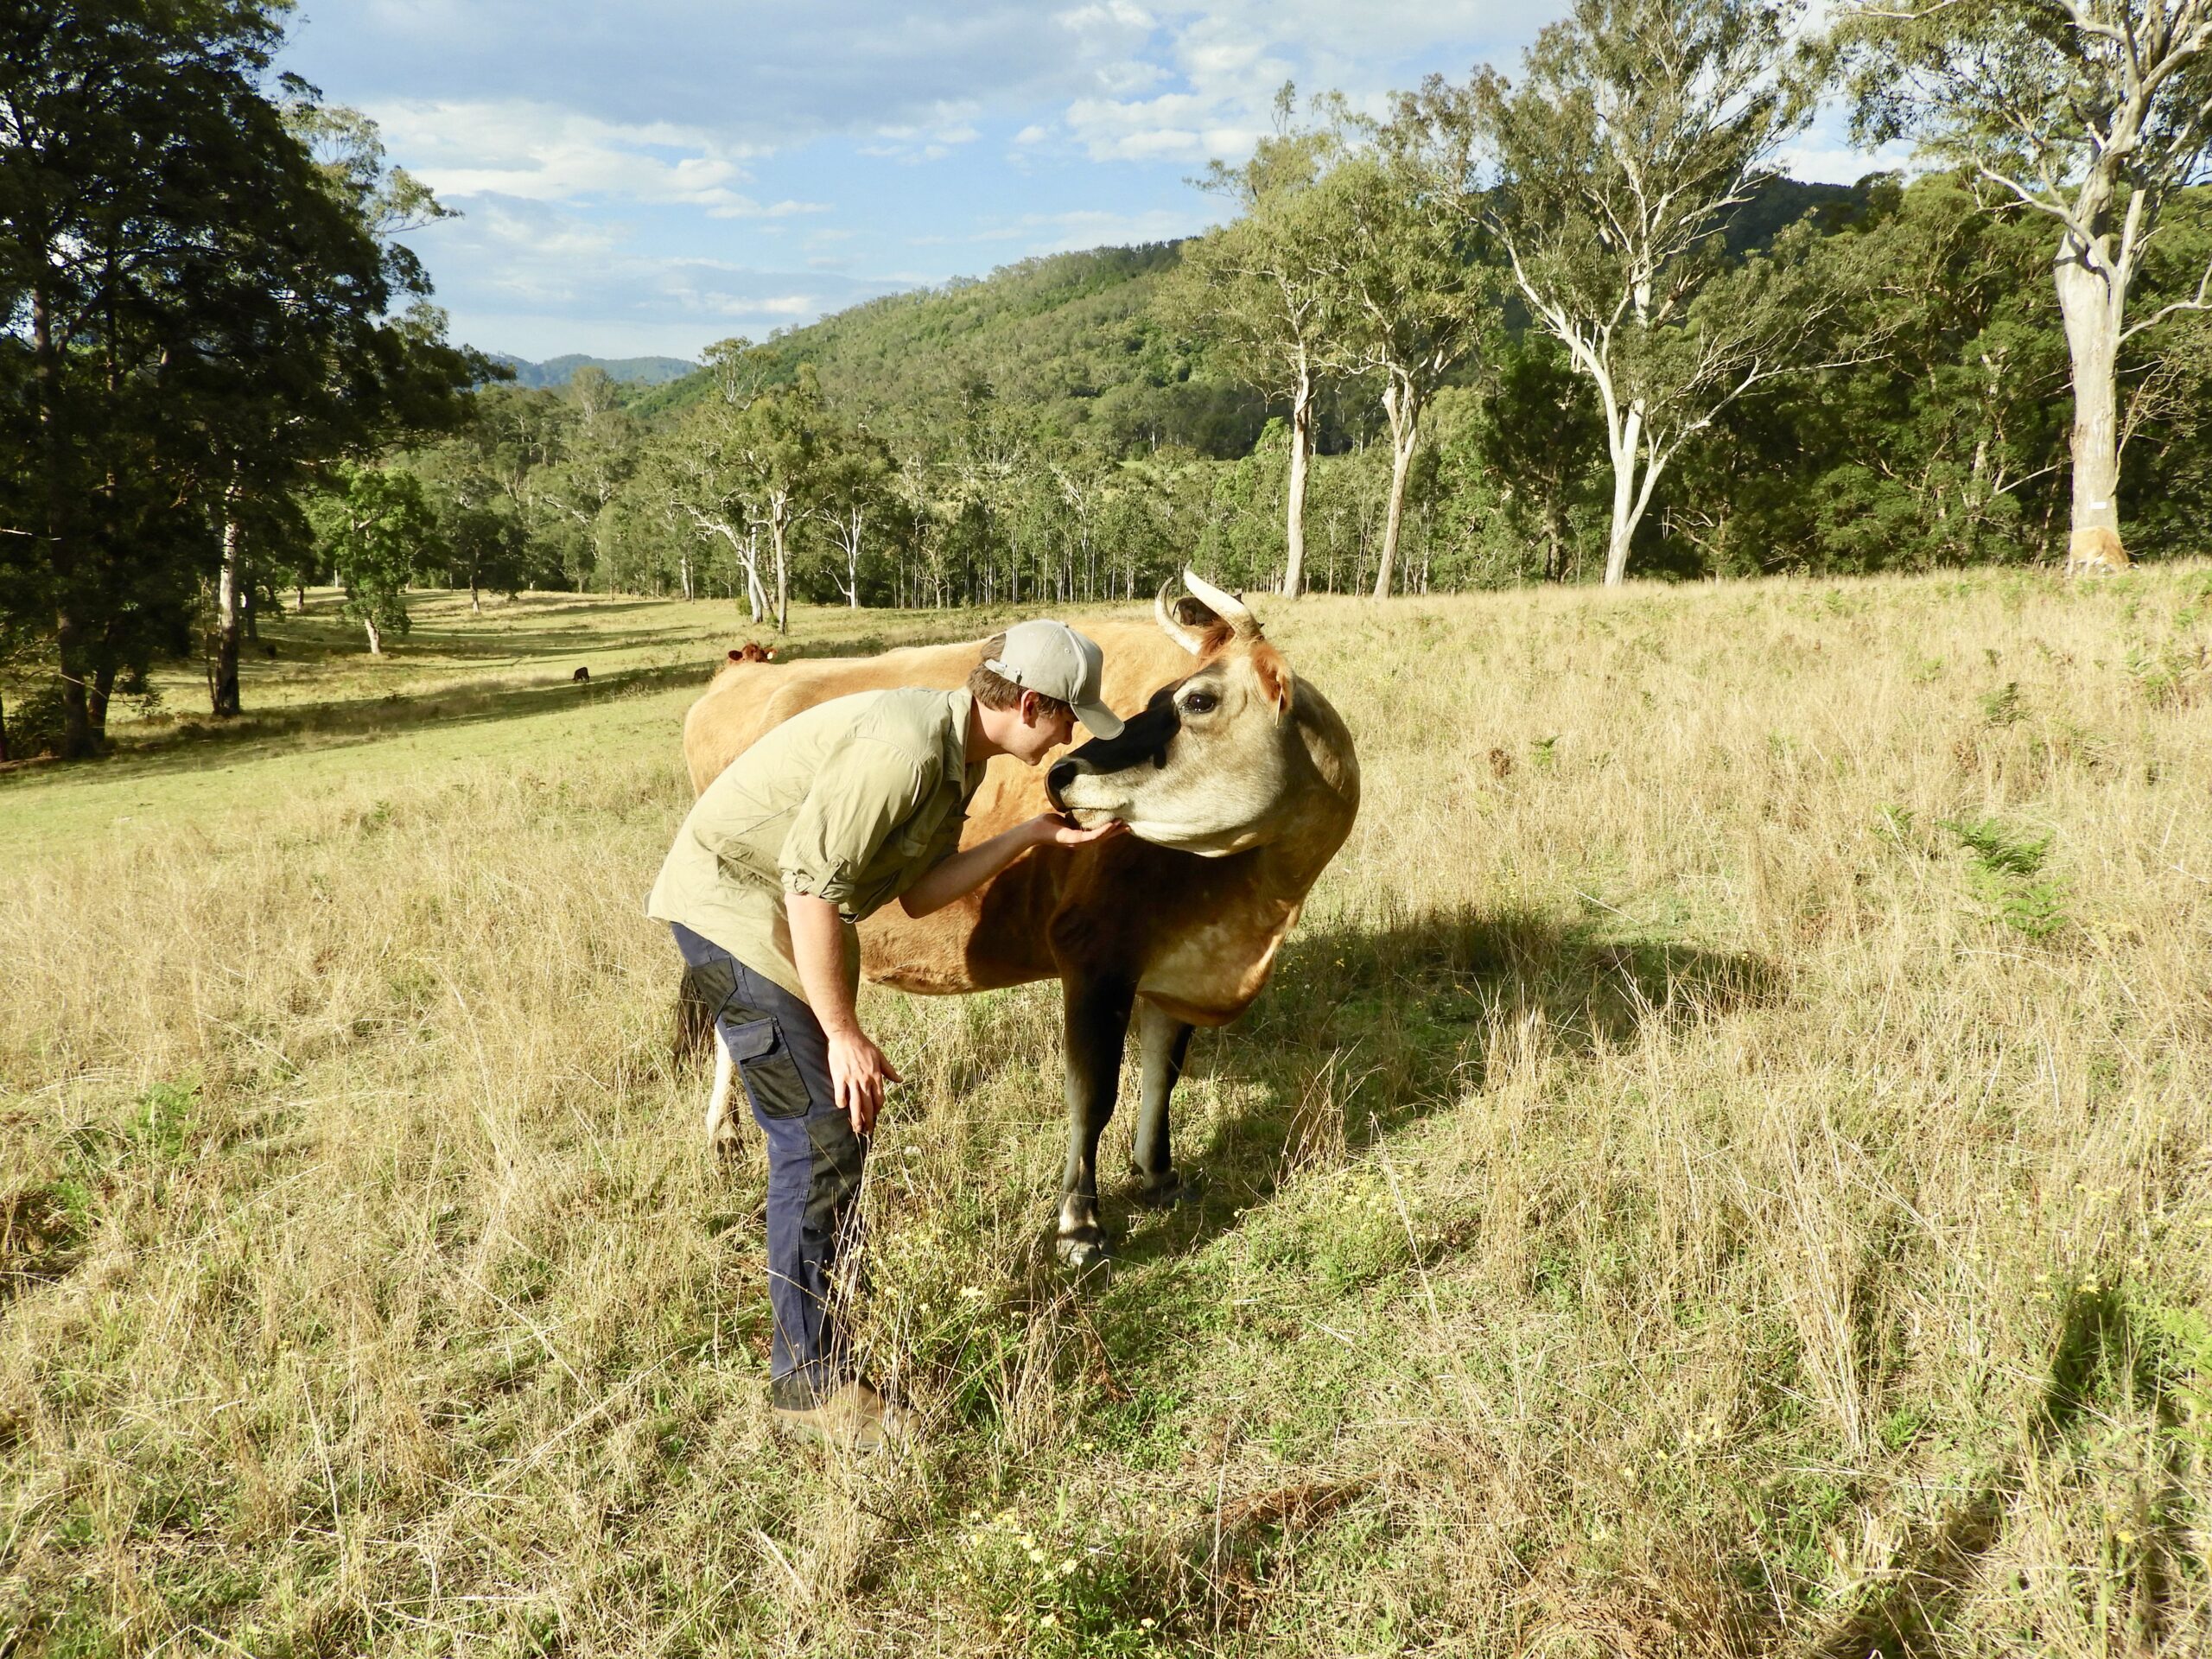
1061 775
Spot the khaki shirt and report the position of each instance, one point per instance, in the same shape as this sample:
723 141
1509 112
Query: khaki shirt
852 800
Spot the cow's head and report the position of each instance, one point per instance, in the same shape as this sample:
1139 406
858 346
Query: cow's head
1212 764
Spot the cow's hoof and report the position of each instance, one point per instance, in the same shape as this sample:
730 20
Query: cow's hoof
726 1144
1086 1255
1166 1191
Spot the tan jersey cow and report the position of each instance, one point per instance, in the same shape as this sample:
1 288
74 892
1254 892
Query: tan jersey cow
1240 783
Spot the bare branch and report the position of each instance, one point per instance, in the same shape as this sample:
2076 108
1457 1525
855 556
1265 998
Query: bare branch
2201 301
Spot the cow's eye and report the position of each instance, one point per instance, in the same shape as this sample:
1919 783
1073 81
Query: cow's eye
1200 703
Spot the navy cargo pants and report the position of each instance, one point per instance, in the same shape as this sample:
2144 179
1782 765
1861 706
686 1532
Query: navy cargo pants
814 1160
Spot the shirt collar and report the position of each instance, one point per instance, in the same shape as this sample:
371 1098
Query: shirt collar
962 705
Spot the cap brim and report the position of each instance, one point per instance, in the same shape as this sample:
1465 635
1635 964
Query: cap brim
1098 719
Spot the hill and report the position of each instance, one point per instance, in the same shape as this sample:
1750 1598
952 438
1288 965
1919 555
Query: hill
1075 333
559 370
1072 332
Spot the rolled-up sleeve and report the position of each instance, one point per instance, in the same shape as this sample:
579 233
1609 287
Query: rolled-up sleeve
864 792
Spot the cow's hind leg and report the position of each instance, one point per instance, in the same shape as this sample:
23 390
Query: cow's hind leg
1098 1026
1163 1041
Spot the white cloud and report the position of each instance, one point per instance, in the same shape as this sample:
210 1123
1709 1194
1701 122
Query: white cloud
538 279
1068 232
528 151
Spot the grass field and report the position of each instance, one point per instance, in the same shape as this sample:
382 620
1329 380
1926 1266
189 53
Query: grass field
1722 1169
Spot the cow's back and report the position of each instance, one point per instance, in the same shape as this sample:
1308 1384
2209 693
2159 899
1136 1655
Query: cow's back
746 699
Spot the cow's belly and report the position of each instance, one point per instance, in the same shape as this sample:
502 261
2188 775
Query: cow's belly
1212 973
990 939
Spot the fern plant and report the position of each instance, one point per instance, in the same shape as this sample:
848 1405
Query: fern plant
2004 871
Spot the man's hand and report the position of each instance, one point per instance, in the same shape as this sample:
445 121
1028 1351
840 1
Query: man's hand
858 1072
1052 829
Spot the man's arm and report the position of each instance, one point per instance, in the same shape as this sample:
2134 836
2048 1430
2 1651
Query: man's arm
858 1069
961 873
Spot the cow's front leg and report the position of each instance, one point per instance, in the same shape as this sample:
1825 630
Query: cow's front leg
1162 1042
1098 1026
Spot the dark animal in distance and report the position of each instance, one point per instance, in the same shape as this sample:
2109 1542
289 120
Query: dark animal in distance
581 676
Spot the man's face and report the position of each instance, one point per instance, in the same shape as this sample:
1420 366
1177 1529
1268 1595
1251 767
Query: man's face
1039 733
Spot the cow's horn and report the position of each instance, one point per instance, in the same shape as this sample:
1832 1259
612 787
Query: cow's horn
1189 639
1229 609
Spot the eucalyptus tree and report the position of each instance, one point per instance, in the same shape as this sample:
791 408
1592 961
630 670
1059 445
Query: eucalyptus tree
598 453
1414 298
1265 286
306 367
2091 113
375 532
1607 177
854 494
697 470
196 315
778 448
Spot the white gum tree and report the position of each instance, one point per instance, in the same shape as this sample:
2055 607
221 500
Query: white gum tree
1264 286
2092 113
1607 177
1413 301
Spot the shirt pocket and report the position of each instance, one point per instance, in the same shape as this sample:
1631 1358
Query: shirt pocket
771 1077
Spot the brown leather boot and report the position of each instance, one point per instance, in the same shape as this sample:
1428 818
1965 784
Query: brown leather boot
853 1415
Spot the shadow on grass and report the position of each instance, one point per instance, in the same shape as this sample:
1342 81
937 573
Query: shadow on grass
199 745
2099 1357
1362 1033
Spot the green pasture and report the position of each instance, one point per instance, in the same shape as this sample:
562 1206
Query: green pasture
1721 1169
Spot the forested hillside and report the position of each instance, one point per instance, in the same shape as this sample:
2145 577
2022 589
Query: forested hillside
1571 326
1076 339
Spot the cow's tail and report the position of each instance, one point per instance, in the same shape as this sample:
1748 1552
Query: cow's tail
694 1031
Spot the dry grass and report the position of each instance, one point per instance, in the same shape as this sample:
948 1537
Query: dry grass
1678 1196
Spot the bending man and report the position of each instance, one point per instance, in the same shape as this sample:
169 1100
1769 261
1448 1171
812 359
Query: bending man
827 818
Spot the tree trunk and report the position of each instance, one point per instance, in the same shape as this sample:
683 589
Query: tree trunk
783 575
79 740
2091 311
756 597
1403 407
376 639
302 593
96 698
223 683
1628 504
1301 446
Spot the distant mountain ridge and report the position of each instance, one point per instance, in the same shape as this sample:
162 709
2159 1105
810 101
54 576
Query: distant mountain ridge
559 370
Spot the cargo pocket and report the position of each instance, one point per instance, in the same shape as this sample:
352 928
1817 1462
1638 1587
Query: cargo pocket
771 1077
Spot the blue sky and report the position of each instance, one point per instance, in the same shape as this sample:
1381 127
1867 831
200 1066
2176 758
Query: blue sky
654 177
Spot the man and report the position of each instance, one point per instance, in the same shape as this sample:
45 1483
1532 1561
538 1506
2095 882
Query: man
827 818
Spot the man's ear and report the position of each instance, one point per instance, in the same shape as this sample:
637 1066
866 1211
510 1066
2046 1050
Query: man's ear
1028 708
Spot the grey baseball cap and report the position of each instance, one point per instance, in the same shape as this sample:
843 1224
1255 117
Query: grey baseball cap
1053 660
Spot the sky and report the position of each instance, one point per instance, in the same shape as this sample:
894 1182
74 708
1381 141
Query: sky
651 178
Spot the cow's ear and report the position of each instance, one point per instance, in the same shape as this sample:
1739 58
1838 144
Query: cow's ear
1277 683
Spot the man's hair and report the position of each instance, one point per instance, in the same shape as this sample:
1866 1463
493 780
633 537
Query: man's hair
996 691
